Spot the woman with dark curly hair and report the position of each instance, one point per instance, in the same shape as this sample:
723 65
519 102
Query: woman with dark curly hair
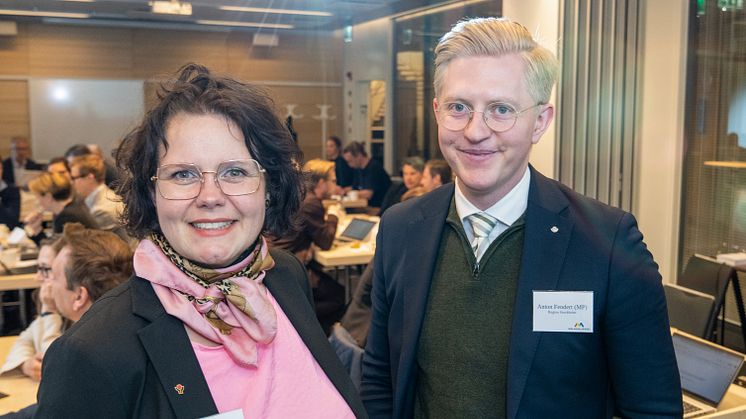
212 321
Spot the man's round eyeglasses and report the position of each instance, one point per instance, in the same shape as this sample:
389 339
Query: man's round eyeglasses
498 116
183 181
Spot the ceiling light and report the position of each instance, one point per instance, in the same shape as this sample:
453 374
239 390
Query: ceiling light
276 11
428 10
9 12
244 24
171 7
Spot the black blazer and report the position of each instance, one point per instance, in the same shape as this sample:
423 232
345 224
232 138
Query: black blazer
124 357
9 176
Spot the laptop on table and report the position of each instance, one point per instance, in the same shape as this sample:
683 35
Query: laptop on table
706 371
357 230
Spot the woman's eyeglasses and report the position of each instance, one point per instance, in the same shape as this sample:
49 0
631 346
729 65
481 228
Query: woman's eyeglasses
45 271
185 180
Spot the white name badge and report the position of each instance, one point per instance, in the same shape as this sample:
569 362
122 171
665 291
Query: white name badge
563 311
233 414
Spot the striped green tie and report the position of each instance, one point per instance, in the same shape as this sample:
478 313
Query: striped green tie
481 224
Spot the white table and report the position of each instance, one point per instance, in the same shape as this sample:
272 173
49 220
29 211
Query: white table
21 390
347 254
18 282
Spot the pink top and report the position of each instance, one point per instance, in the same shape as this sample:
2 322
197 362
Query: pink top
287 382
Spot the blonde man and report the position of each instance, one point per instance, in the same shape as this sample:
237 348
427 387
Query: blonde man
507 294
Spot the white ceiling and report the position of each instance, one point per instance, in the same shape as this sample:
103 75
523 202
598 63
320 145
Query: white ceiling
334 13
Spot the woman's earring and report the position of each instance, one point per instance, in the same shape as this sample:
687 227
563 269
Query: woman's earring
266 201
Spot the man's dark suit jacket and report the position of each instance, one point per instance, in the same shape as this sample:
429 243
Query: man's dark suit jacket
10 206
9 175
627 365
124 357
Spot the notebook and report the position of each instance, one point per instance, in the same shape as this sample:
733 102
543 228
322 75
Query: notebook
706 371
357 230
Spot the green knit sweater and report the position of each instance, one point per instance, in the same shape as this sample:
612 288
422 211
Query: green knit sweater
462 357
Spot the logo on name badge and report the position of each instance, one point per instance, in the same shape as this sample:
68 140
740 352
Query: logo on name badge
579 326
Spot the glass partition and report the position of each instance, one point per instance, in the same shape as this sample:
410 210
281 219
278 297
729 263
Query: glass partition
415 37
714 171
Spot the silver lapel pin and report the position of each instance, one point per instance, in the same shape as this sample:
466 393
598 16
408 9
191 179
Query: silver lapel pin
554 229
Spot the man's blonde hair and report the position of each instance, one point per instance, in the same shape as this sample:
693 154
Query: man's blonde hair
56 184
493 37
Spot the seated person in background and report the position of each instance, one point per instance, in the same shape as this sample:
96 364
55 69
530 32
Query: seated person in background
370 179
76 150
88 264
341 168
437 173
413 193
411 171
314 226
59 165
10 205
27 352
349 336
55 194
106 206
356 319
19 161
111 174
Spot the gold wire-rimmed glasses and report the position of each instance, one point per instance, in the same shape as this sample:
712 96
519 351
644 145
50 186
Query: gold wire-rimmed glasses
181 181
498 116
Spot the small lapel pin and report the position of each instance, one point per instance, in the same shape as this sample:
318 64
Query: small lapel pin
554 229
179 389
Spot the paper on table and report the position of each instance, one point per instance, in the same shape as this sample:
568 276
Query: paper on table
16 236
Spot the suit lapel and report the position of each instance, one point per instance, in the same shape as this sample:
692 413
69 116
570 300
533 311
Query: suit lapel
169 350
547 235
419 259
281 282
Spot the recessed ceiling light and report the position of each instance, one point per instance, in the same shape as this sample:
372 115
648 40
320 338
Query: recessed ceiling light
8 12
171 7
244 24
275 11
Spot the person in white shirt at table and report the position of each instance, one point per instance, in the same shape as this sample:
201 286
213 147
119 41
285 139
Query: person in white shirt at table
26 354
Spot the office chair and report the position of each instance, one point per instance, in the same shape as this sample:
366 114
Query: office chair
708 276
689 310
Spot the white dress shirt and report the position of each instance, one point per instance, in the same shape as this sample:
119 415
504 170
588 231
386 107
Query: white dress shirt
506 211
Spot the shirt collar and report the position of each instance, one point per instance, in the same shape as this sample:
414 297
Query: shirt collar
507 210
91 198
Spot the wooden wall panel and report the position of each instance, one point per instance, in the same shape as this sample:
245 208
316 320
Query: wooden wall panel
159 54
80 52
14 51
309 57
14 115
305 69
